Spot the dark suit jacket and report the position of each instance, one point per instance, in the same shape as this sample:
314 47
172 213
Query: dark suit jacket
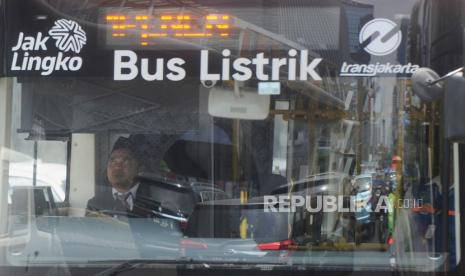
105 201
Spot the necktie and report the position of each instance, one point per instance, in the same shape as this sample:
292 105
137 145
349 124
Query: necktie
121 202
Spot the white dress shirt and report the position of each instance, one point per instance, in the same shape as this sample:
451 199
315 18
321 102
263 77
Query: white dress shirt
131 195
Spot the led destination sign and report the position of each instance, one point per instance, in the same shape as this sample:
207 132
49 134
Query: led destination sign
141 30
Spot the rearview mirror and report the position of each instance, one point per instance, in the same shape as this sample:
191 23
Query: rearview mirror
421 82
451 88
454 107
249 105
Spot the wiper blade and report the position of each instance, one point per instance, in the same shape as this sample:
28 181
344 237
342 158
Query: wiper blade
119 268
134 264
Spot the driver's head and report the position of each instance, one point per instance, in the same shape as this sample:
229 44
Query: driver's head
122 167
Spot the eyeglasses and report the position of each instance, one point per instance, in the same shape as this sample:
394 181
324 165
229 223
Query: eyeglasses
120 160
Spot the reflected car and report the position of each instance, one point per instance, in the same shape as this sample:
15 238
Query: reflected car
363 191
229 229
48 175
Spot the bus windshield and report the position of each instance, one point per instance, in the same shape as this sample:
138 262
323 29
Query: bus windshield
235 134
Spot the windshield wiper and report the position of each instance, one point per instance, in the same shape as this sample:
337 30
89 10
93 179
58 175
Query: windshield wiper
119 268
133 264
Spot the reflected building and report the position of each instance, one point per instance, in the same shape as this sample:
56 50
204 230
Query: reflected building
357 15
335 25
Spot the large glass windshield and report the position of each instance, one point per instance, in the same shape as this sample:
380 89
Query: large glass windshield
239 133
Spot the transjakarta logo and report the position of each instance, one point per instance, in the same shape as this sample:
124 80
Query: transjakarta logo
69 38
379 37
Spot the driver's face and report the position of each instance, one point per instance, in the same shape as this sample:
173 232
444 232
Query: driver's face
122 169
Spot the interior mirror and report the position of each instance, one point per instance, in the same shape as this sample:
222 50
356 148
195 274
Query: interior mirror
248 105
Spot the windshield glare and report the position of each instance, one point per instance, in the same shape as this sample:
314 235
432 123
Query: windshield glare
230 132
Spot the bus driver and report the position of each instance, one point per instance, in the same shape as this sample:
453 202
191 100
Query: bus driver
126 191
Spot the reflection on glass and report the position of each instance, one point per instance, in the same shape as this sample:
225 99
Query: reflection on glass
343 173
